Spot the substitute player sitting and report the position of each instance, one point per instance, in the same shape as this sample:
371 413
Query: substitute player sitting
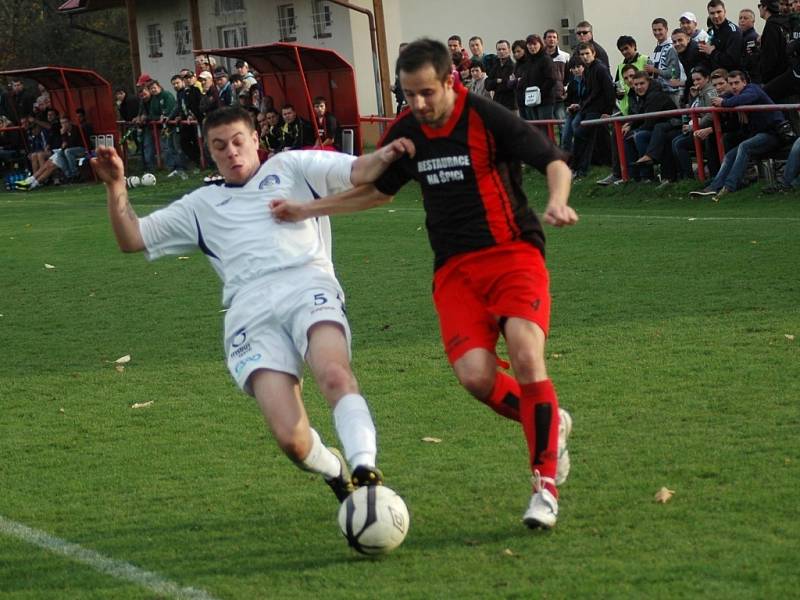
285 304
490 276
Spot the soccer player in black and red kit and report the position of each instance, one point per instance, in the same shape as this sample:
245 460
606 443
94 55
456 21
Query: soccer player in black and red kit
489 272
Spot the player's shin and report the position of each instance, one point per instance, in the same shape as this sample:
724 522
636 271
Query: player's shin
356 430
505 396
539 417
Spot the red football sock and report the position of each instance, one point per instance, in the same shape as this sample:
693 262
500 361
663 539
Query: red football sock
504 399
539 418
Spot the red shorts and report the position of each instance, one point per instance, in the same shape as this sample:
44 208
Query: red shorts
473 291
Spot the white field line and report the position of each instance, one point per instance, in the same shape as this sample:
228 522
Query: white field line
115 568
621 216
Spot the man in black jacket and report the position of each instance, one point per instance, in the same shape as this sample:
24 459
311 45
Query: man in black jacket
599 102
773 57
498 79
724 46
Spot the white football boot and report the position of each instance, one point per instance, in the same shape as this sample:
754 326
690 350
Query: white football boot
564 429
543 508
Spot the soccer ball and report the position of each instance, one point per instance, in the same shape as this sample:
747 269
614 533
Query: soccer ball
148 179
374 519
134 181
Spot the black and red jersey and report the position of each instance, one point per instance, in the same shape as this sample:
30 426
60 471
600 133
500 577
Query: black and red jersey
471 175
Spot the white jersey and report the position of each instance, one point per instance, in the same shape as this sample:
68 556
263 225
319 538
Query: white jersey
233 225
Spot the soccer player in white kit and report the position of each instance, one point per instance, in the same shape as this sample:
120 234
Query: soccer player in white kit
284 303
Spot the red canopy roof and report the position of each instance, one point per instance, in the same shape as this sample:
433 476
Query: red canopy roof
282 57
89 5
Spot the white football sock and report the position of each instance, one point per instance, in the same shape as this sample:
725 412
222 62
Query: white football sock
356 430
320 459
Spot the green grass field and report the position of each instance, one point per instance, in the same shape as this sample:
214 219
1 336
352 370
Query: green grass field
675 344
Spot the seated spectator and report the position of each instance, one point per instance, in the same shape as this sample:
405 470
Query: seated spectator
648 137
70 139
790 181
74 154
237 89
690 57
576 93
761 132
248 78
224 87
38 150
297 132
599 102
272 134
631 99
477 84
328 133
701 92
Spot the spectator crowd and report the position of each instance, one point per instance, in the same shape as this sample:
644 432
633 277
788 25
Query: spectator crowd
716 63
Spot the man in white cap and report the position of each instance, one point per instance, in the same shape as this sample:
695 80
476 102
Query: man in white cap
688 22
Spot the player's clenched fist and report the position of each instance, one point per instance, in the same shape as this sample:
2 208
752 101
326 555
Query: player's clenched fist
108 165
283 210
560 215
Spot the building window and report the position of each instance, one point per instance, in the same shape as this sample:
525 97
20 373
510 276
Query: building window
224 7
323 21
154 41
287 25
183 37
232 36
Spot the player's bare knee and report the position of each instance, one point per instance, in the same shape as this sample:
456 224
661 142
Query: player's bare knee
479 382
293 445
528 364
336 379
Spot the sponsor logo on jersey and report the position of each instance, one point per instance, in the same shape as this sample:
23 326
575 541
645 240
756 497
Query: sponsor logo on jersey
444 169
239 338
269 180
241 350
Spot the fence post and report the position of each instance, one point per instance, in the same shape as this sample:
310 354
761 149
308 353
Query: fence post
201 146
620 140
718 135
698 148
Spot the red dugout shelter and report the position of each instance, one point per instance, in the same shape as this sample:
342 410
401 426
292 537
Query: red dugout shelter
295 74
71 89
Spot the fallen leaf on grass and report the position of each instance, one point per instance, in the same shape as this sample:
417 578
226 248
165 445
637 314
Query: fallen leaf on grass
753 242
431 440
122 360
788 336
183 258
49 266
508 552
692 219
61 410
391 210
142 404
664 495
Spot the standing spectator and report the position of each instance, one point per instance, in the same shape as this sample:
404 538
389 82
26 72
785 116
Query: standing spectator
690 57
297 132
560 72
127 107
520 54
476 49
500 80
478 80
204 62
760 130
630 56
773 56
750 46
328 132
461 58
189 100
162 105
237 89
175 157
724 45
688 23
190 78
224 87
20 102
585 35
210 100
664 65
631 100
539 72
599 102
576 93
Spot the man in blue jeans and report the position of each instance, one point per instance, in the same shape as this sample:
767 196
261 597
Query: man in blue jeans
761 135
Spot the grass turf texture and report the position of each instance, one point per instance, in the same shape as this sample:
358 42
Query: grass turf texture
668 345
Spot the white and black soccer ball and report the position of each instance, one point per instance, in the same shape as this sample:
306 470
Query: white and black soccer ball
148 179
374 519
134 181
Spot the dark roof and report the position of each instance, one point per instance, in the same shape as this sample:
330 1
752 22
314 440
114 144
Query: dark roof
281 57
53 77
78 6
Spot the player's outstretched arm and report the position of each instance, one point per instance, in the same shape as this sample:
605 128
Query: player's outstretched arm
559 182
110 170
358 198
369 167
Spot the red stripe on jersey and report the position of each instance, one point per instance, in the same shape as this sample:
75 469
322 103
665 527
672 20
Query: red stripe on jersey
495 198
446 129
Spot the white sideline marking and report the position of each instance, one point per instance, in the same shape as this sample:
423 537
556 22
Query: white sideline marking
116 568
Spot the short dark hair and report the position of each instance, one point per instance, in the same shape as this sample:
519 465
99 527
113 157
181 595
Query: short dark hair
641 75
550 31
240 63
584 24
177 76
660 21
319 100
625 40
719 74
227 115
715 3
476 64
476 37
425 51
457 38
679 30
700 70
629 67
235 77
506 42
287 106
737 73
587 46
519 44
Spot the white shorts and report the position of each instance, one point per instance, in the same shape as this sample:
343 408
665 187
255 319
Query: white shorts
267 328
